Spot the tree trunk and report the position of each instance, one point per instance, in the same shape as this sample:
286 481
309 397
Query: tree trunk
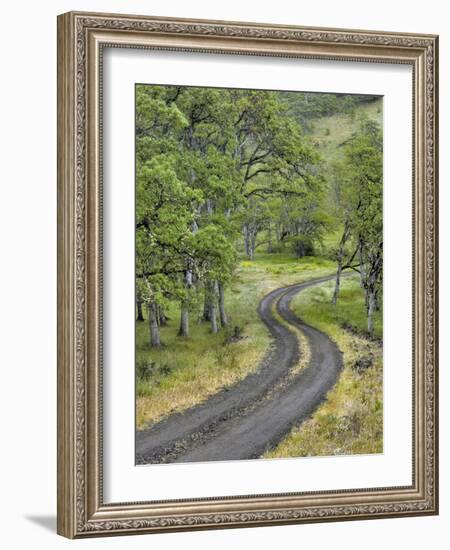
207 305
362 267
337 285
269 239
278 232
299 249
140 314
246 240
184 316
250 234
209 207
214 328
374 269
184 321
213 308
370 311
155 340
377 300
252 245
162 317
222 312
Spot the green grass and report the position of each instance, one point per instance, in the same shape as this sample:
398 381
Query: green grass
350 312
350 421
331 132
187 371
269 271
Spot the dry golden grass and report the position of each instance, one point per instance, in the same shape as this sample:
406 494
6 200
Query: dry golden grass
213 371
305 350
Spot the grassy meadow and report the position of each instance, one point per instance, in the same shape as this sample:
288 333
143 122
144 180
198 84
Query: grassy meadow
330 133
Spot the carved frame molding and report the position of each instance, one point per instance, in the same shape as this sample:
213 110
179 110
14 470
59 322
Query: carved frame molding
81 38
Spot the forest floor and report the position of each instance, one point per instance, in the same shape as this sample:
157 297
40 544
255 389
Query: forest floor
187 373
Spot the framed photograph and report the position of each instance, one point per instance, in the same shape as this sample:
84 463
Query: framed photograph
247 276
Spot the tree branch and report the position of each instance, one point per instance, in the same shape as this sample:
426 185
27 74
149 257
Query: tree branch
352 267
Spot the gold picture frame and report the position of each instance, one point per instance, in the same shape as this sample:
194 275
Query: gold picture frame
81 39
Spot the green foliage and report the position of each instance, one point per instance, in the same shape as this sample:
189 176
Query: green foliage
221 171
209 164
357 185
364 193
214 252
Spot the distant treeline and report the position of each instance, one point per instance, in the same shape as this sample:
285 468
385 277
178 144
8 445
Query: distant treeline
305 106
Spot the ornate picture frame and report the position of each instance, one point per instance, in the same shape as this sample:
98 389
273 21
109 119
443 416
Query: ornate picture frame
82 38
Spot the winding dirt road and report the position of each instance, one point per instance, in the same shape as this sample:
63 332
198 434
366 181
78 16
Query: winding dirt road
254 415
